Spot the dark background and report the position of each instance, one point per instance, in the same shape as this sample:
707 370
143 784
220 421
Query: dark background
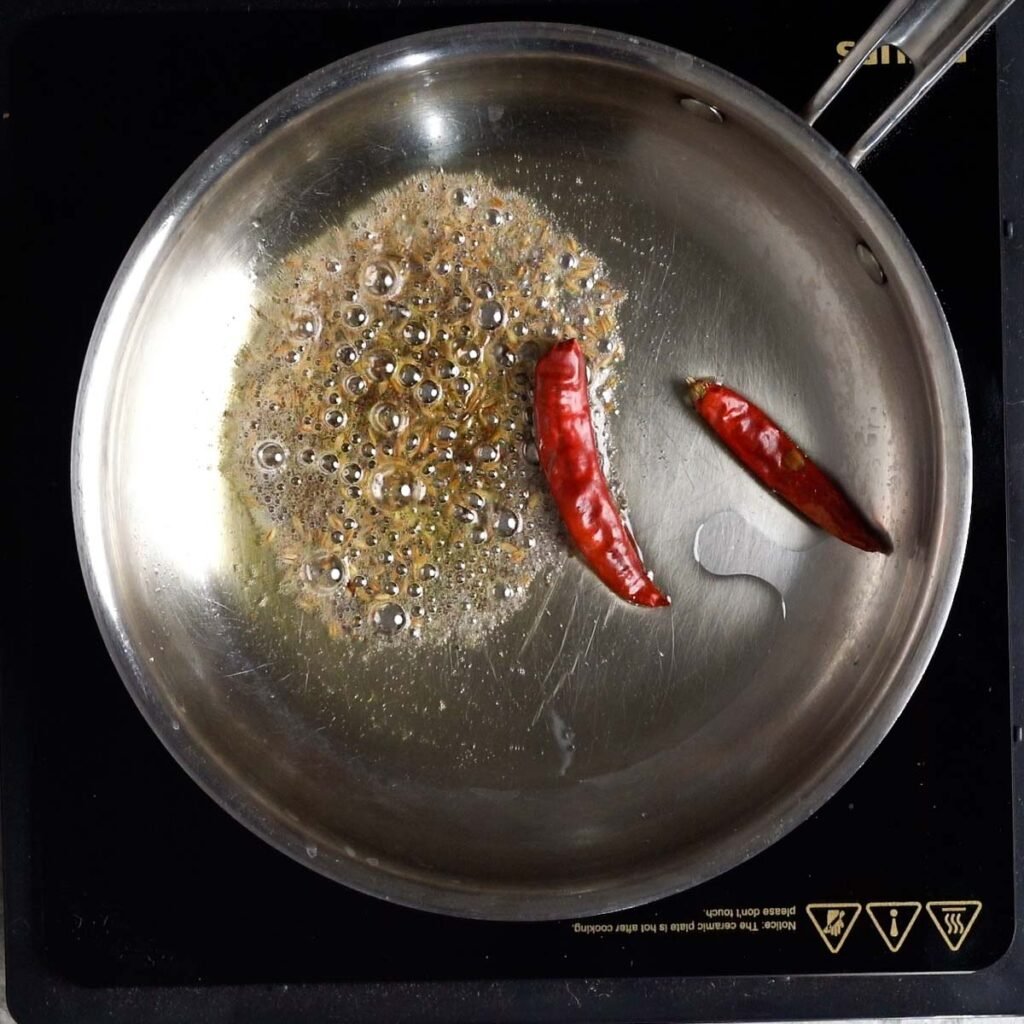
131 896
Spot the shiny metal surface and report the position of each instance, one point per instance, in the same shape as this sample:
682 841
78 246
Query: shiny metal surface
593 755
932 33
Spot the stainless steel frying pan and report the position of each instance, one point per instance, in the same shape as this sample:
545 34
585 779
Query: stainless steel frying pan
591 756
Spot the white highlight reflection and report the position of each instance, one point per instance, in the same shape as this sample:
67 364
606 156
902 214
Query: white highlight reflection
435 128
172 421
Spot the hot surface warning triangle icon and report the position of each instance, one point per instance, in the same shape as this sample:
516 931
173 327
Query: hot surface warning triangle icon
833 922
954 919
894 920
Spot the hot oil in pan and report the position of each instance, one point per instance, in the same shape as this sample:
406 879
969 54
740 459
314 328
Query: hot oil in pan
380 429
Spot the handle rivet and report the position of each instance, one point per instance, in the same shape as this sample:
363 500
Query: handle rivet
870 263
700 109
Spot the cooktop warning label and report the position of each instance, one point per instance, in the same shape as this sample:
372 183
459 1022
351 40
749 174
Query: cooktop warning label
891 920
894 921
833 922
954 919
753 920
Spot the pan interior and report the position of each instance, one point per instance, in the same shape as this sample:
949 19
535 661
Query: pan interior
591 754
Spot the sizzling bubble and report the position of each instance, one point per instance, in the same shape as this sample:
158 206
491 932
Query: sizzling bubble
381 279
308 325
468 354
270 455
416 333
506 523
387 418
491 314
355 316
382 365
410 375
325 572
429 392
394 488
389 619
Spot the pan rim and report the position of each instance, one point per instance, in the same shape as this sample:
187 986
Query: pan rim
555 40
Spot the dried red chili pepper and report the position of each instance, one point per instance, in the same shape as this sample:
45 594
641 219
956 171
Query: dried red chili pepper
569 459
776 460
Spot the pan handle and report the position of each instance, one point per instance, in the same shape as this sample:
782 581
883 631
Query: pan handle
932 33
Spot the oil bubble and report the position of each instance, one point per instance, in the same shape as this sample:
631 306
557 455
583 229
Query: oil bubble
271 455
325 572
389 619
308 325
416 333
355 316
491 314
382 365
381 279
468 355
394 488
506 522
409 375
387 418
430 392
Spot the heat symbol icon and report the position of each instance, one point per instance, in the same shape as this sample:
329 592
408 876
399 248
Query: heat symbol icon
954 919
